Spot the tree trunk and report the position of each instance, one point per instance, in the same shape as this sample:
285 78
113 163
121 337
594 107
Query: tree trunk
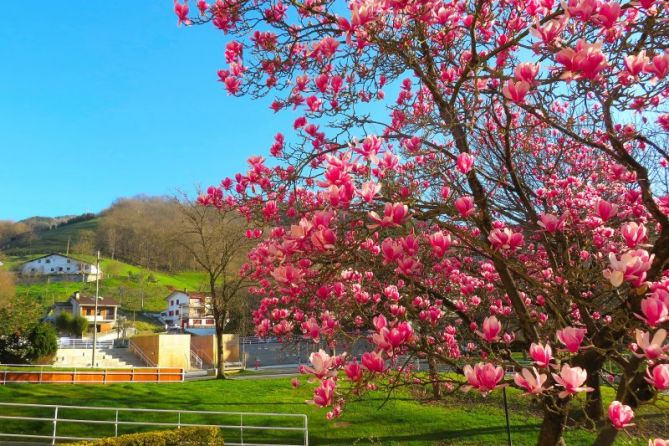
592 362
220 356
593 400
220 348
606 436
552 428
434 376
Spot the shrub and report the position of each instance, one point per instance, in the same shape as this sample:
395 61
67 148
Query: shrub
193 436
64 322
43 340
79 325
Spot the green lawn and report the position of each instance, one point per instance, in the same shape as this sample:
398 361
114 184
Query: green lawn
459 420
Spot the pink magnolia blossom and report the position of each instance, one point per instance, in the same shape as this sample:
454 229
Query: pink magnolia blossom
586 61
484 377
541 355
659 66
606 210
658 442
572 380
506 239
659 376
490 329
202 6
394 214
635 64
654 311
583 9
516 91
181 10
634 234
465 206
527 72
551 223
353 371
465 162
631 267
440 243
607 14
551 31
572 338
324 394
373 362
311 329
531 382
663 121
652 349
288 275
368 191
321 362
620 415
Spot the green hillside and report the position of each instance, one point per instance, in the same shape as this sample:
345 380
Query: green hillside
128 284
53 240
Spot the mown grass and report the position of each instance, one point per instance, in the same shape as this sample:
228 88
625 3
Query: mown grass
402 420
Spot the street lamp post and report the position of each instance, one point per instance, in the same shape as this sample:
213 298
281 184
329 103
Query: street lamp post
95 314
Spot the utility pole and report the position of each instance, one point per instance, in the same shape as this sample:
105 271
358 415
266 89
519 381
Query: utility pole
95 315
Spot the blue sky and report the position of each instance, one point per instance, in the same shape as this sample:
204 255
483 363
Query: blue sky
100 100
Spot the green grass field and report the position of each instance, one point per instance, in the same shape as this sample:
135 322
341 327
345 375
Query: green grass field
457 420
128 284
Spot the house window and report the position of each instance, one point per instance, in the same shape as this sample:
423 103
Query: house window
68 260
171 303
51 269
68 268
176 312
48 261
210 322
177 301
197 322
60 269
171 313
32 270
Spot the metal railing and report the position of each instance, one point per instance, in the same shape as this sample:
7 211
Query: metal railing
138 351
238 428
258 340
84 343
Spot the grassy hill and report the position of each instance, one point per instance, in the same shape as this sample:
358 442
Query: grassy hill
53 240
128 284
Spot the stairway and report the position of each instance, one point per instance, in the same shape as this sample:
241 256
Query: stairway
104 358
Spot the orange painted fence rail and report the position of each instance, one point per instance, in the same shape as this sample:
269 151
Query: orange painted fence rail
93 376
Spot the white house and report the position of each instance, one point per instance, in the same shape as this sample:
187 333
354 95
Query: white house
188 310
82 305
59 267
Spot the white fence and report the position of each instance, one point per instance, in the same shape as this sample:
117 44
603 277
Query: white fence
84 343
52 423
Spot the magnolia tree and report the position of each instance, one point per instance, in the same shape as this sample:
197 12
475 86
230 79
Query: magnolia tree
463 179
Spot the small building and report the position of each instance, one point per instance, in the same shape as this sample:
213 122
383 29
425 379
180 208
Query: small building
59 267
188 310
80 305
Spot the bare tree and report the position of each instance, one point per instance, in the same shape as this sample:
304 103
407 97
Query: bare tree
216 240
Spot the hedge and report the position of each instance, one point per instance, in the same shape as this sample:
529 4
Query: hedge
193 436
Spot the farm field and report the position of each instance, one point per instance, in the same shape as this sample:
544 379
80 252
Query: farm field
457 420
